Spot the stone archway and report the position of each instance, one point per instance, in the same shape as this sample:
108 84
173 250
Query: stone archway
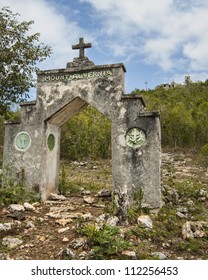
33 144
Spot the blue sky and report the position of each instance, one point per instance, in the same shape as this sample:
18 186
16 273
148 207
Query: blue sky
157 40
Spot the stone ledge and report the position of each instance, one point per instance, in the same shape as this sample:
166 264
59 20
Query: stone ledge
150 114
133 97
72 70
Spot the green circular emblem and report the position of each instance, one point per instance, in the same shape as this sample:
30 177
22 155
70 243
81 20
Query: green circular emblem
135 137
22 141
51 142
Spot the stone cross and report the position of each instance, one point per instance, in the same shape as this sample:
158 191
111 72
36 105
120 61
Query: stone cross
81 46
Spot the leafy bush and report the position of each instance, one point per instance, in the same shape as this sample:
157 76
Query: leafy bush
107 243
12 191
86 136
184 113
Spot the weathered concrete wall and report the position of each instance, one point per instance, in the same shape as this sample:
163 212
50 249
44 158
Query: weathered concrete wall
136 170
63 93
30 160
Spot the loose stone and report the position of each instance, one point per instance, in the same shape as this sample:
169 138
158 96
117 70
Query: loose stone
76 243
88 200
65 239
104 193
64 222
5 226
29 207
67 253
87 217
55 196
145 221
63 230
112 221
130 254
194 230
11 242
16 207
160 255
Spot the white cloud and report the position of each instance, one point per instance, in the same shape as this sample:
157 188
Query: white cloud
168 33
171 34
56 30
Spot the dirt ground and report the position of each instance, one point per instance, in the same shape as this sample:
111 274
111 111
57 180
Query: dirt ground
51 230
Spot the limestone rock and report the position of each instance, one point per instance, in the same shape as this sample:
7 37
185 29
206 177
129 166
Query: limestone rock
203 193
64 222
130 254
170 194
145 221
75 215
54 215
4 256
55 196
182 212
160 255
99 205
17 215
67 254
87 216
29 207
16 207
104 193
194 230
83 255
101 218
11 242
88 200
5 226
190 203
42 238
30 224
76 243
85 192
63 230
65 239
112 221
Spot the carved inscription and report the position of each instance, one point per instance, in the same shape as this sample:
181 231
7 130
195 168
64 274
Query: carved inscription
77 76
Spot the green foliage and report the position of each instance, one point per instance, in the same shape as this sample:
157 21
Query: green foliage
74 187
204 150
63 182
86 136
107 243
193 246
184 113
136 208
19 54
13 189
202 158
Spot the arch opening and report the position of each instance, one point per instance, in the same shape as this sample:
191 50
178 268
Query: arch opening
85 152
82 157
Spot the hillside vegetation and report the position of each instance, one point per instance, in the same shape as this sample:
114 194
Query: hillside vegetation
184 114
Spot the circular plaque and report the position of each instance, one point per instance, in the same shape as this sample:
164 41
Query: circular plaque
135 137
22 141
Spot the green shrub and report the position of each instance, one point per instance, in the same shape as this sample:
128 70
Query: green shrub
107 243
14 191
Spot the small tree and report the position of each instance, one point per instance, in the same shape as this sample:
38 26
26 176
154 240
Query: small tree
19 55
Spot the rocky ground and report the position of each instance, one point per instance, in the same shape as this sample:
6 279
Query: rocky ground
80 224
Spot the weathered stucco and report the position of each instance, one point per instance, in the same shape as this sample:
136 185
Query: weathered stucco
63 93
